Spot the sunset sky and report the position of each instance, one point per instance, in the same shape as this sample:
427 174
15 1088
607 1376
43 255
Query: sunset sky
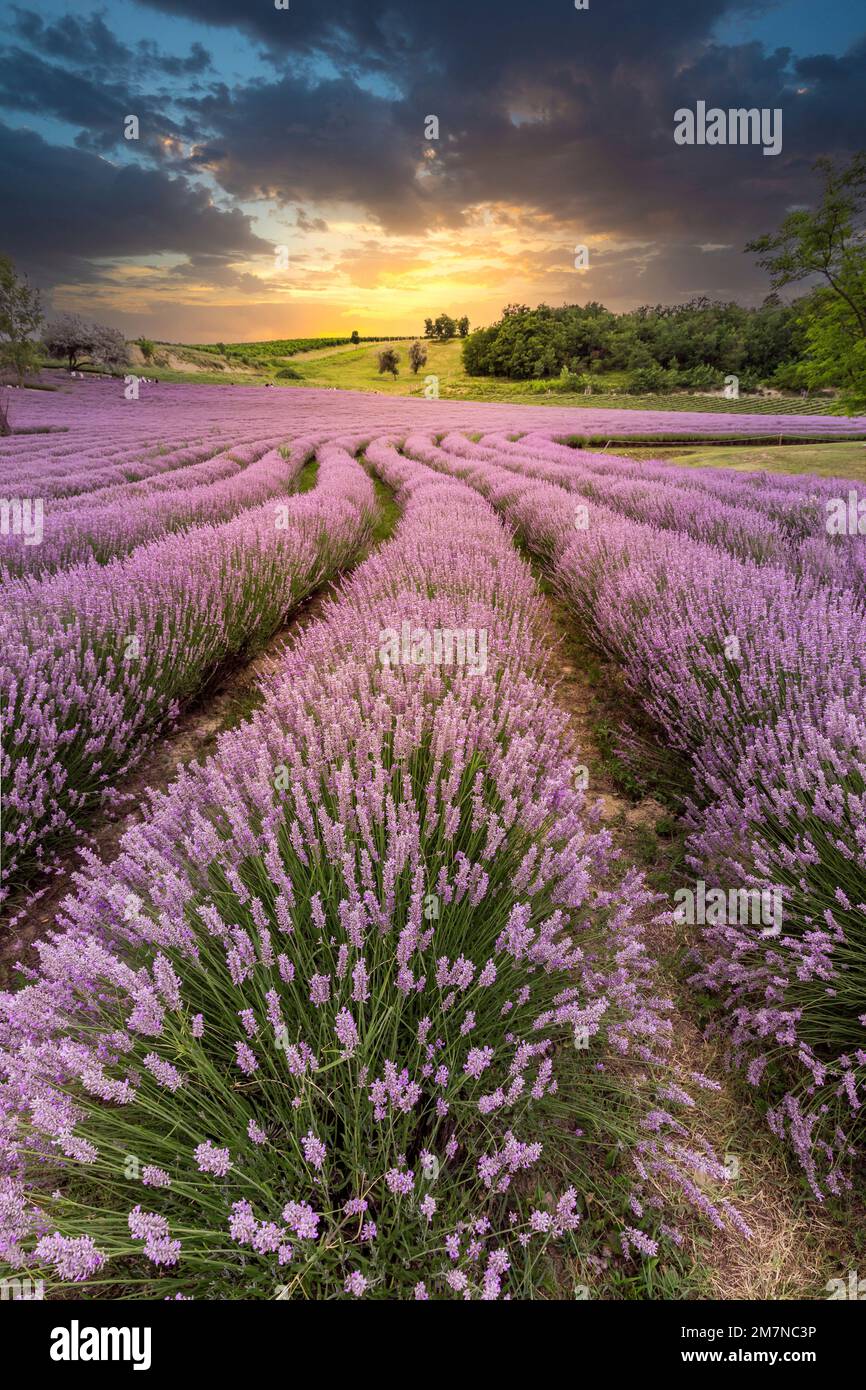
304 128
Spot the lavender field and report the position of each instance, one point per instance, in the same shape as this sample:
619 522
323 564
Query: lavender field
381 995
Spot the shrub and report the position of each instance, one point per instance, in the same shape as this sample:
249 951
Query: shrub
417 357
650 380
388 360
703 377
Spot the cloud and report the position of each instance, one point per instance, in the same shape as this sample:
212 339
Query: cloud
287 141
73 209
309 224
559 121
87 42
98 107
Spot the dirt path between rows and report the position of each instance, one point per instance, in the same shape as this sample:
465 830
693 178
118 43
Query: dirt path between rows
796 1244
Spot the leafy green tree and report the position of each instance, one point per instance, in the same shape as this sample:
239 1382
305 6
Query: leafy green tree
444 328
356 337
828 242
679 339
148 348
835 356
20 321
650 380
463 326
477 351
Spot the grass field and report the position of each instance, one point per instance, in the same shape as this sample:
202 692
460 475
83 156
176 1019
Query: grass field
350 368
827 460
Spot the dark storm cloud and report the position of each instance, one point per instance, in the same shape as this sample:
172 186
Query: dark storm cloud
82 74
98 105
212 270
72 208
456 38
826 67
89 43
291 142
592 148
568 112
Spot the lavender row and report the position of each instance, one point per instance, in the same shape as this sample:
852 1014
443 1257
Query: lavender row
97 657
187 411
191 496
791 531
85 461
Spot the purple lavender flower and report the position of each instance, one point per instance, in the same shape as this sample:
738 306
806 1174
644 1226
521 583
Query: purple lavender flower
212 1160
314 1150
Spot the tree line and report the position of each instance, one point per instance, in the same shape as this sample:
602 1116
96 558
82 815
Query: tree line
444 328
817 341
690 345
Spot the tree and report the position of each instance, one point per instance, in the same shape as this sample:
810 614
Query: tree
463 327
72 337
428 328
833 356
356 337
417 357
148 348
444 328
388 360
828 242
647 381
109 347
20 320
477 351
